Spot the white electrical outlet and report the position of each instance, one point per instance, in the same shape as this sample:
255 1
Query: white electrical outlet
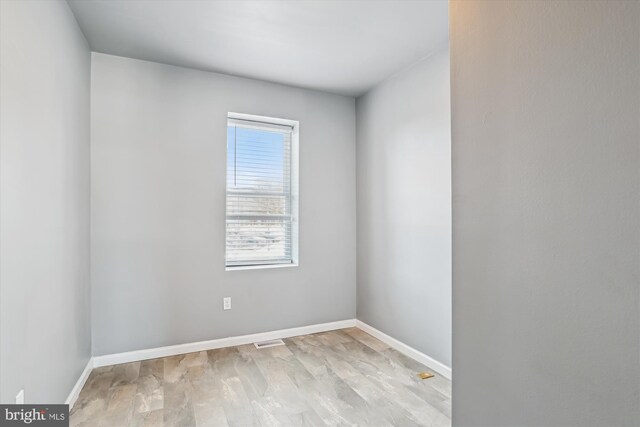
226 302
20 398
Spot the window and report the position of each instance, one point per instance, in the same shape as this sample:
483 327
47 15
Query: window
261 223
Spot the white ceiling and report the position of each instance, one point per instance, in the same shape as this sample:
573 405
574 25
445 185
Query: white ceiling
343 47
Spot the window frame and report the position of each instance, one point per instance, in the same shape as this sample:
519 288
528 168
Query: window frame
294 171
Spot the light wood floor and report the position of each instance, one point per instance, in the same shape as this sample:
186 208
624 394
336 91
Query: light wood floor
343 377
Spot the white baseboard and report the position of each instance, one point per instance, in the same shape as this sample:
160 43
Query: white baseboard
75 391
173 350
411 352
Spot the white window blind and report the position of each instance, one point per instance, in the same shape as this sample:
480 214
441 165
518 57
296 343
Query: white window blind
259 214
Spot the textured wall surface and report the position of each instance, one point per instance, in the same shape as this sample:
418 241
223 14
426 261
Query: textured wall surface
404 207
546 208
158 164
45 334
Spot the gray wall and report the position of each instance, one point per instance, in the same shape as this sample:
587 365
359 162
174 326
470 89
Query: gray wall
158 204
404 207
546 213
45 336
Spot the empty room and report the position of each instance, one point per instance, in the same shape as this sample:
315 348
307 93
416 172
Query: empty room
312 212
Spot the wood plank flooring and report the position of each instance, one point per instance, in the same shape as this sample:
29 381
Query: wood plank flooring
343 377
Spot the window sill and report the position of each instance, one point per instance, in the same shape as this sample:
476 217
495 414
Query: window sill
259 267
